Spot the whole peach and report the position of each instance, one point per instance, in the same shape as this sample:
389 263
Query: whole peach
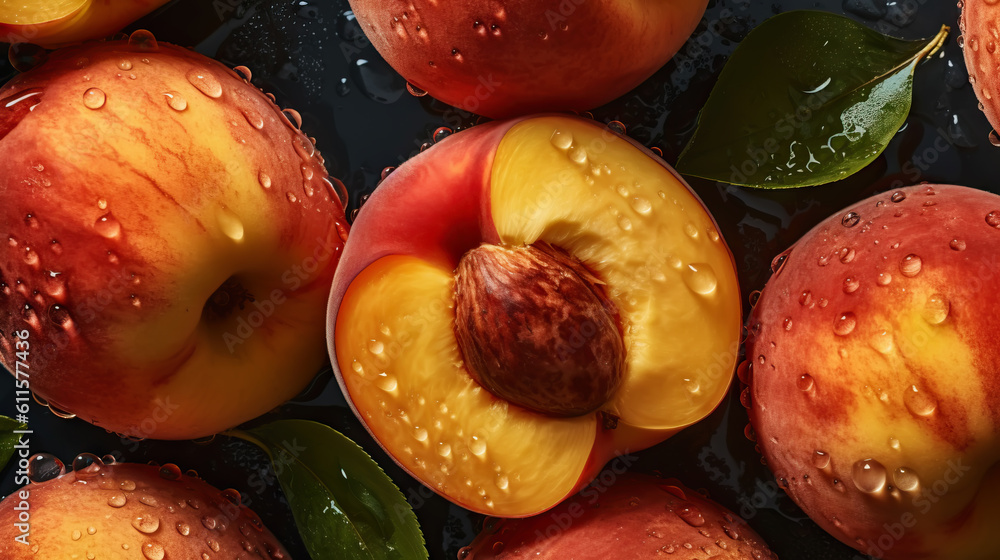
170 237
503 59
633 518
125 511
874 388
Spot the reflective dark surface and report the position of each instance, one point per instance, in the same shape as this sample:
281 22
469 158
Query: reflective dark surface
313 57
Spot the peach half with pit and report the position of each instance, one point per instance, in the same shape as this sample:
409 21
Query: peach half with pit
524 301
873 374
127 510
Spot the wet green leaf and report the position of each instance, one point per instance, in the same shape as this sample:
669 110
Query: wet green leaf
8 439
345 506
807 98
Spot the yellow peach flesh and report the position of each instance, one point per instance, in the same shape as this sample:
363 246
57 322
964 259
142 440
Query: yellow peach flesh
649 238
401 361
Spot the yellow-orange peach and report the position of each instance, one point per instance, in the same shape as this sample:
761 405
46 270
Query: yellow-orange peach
124 511
524 301
504 59
873 374
56 23
169 242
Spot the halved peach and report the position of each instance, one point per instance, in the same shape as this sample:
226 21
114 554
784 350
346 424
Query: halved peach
524 301
54 23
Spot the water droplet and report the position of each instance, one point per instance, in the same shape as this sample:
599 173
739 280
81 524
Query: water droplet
700 278
691 515
994 138
578 155
209 523
847 255
624 223
253 118
117 500
264 179
805 299
76 535
805 382
205 82
184 529
86 465
957 245
147 524
820 459
851 285
936 309
641 205
906 479
244 72
910 265
823 260
94 98
142 40
444 449
230 224
502 482
291 197
127 485
993 219
414 90
386 382
869 476
884 279
562 140
43 466
26 56
294 118
919 402
617 127
375 346
691 231
844 324
153 551
125 64
60 316
497 547
108 226
850 219
882 342
898 196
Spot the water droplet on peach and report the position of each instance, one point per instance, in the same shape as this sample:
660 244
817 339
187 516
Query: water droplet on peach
884 279
142 40
993 219
43 466
844 324
805 382
869 476
691 515
820 459
906 479
386 382
957 245
205 82
117 500
264 179
850 219
936 309
641 205
108 226
253 118
230 224
127 485
911 265
244 72
898 196
851 285
444 449
919 402
153 551
94 98
147 524
502 482
700 278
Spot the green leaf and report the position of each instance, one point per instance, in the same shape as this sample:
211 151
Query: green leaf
8 439
807 98
345 506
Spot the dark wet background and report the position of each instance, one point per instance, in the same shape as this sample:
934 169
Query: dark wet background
313 57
